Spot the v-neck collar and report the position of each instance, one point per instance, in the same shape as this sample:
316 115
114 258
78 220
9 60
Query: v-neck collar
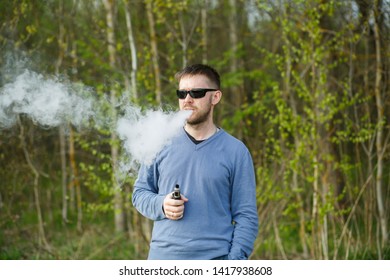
196 142
201 143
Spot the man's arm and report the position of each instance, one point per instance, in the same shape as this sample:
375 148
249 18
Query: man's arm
146 198
244 209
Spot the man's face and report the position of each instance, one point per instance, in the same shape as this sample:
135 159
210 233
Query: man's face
202 107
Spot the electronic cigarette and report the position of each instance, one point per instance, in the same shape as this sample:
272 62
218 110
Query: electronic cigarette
176 193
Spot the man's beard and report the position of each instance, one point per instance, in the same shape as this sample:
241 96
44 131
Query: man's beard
203 117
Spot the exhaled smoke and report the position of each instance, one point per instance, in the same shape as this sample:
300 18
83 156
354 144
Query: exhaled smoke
145 134
47 101
50 102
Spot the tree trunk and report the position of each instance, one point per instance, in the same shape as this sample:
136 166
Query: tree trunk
75 180
71 185
42 241
118 199
297 143
237 90
368 147
203 14
380 125
133 50
62 136
64 174
154 49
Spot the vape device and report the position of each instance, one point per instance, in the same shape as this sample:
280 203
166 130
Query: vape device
176 193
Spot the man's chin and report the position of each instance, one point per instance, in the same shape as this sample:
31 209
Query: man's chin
190 121
193 121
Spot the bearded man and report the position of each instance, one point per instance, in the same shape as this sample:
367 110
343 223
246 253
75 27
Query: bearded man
216 214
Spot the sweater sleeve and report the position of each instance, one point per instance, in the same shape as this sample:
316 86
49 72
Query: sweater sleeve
244 209
146 198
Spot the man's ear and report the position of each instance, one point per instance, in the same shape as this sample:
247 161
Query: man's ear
217 95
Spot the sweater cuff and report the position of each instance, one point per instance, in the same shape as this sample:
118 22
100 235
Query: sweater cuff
237 254
159 207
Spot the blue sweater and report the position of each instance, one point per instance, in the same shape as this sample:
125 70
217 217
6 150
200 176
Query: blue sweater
217 177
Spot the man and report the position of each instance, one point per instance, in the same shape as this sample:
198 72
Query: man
216 217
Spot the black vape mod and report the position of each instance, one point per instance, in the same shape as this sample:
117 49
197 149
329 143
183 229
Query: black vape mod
176 192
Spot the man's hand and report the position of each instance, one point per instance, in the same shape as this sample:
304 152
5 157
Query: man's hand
174 209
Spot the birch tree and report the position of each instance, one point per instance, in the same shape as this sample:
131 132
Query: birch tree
133 51
62 136
111 45
154 50
380 149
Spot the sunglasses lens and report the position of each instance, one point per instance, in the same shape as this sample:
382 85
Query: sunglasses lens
181 94
198 93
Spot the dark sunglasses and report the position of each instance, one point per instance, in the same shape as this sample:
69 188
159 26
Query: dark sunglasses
194 93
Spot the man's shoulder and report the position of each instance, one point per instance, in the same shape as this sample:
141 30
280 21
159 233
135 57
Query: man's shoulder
232 141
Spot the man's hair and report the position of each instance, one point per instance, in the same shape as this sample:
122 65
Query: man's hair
200 69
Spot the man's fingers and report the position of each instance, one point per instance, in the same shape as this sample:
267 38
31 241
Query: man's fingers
175 215
174 209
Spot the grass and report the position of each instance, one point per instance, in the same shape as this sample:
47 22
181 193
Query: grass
96 242
19 240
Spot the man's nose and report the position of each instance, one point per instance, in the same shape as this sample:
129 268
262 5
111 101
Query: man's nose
188 98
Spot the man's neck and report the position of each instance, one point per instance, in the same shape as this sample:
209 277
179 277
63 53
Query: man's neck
201 131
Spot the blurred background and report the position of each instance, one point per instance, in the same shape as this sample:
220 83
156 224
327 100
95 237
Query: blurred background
306 87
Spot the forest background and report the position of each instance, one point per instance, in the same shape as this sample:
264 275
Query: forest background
306 87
